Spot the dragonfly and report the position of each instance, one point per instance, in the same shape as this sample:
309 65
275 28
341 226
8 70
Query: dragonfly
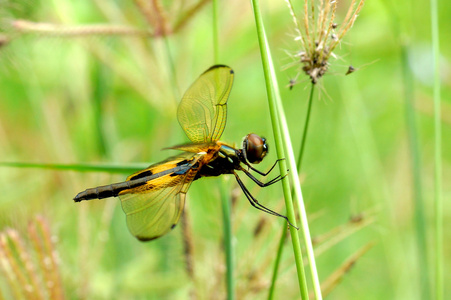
153 199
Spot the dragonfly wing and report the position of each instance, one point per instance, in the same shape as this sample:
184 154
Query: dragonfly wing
167 164
202 113
155 208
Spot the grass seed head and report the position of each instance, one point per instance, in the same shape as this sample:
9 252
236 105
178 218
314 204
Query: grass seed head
320 35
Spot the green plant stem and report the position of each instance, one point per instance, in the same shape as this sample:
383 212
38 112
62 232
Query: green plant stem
215 31
293 174
283 235
276 114
227 225
172 71
306 124
438 156
420 223
99 93
415 157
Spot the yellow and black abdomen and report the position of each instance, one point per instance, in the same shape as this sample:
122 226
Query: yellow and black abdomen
139 181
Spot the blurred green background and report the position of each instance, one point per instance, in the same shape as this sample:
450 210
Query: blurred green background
112 99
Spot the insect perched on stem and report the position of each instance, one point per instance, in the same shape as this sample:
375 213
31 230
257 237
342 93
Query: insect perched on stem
153 198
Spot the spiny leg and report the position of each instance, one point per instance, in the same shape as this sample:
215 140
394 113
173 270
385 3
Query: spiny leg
261 184
260 172
254 202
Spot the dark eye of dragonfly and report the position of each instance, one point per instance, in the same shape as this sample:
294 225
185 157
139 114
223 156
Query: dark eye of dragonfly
254 148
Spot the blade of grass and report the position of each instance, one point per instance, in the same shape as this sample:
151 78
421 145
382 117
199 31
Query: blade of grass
304 133
420 220
438 155
172 71
215 31
228 246
275 272
293 174
188 244
412 133
296 188
283 235
99 93
276 114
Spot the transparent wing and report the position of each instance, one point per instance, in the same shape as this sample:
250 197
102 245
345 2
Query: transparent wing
155 208
167 164
202 113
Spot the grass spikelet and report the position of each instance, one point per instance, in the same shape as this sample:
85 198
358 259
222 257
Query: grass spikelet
320 35
31 266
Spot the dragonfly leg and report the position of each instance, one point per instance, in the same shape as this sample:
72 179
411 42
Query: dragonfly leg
254 202
260 172
262 184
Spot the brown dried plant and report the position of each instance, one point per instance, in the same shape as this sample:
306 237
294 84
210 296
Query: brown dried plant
155 12
30 266
319 35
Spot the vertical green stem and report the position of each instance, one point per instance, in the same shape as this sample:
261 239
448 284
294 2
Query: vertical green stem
172 71
420 223
275 272
438 156
275 119
227 225
215 31
100 90
412 132
294 176
283 235
307 122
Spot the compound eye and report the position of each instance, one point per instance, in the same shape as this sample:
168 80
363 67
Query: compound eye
255 148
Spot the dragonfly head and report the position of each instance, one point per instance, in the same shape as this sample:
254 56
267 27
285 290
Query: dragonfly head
254 148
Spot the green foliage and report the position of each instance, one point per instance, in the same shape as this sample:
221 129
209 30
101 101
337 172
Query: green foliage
84 95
